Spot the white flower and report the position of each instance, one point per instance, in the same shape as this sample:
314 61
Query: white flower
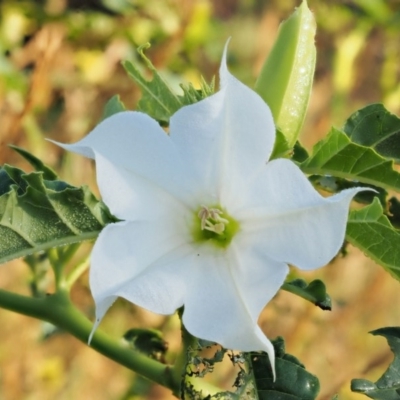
208 223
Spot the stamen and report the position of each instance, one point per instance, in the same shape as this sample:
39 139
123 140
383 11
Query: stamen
203 214
211 220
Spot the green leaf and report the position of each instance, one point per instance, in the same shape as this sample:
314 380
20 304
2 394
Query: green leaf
315 292
299 153
113 106
370 230
374 126
394 210
292 382
387 387
281 146
286 77
337 155
39 265
147 341
48 173
333 184
158 99
38 214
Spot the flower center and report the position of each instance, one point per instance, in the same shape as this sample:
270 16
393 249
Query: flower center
214 225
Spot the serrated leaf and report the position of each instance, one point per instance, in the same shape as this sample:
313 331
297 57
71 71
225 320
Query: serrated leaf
158 99
371 231
315 292
387 387
192 95
37 214
286 77
48 173
394 210
337 155
113 106
281 146
300 154
5 181
333 184
292 382
374 126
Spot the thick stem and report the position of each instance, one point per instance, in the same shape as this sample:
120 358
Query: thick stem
58 310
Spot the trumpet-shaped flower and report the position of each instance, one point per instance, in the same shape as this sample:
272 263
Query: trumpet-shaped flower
206 221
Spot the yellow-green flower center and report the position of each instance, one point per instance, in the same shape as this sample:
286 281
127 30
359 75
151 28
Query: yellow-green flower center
213 225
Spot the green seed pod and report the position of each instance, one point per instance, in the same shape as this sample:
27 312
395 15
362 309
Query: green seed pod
286 77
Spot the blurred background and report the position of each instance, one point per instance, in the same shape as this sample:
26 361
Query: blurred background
60 63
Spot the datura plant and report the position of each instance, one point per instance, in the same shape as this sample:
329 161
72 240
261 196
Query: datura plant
206 221
207 199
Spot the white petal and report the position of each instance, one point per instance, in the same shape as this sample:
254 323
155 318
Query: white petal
126 251
102 307
135 142
225 138
132 197
297 224
257 277
216 309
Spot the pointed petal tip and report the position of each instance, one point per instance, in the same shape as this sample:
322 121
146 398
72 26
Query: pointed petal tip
223 69
99 317
64 146
74 148
95 326
350 193
101 309
268 347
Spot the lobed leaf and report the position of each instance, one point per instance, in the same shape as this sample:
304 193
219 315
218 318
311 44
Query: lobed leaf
338 156
292 382
113 106
333 184
375 127
158 99
300 154
387 387
48 173
394 210
315 292
147 341
281 146
371 231
38 214
192 95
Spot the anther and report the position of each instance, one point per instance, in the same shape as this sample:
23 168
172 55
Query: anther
211 220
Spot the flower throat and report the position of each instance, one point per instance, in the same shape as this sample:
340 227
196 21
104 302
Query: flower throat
214 225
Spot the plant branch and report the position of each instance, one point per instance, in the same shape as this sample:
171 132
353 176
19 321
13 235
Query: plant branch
77 272
59 310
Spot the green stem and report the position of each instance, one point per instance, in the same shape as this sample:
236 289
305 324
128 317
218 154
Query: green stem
180 365
77 272
57 265
181 361
58 310
66 253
